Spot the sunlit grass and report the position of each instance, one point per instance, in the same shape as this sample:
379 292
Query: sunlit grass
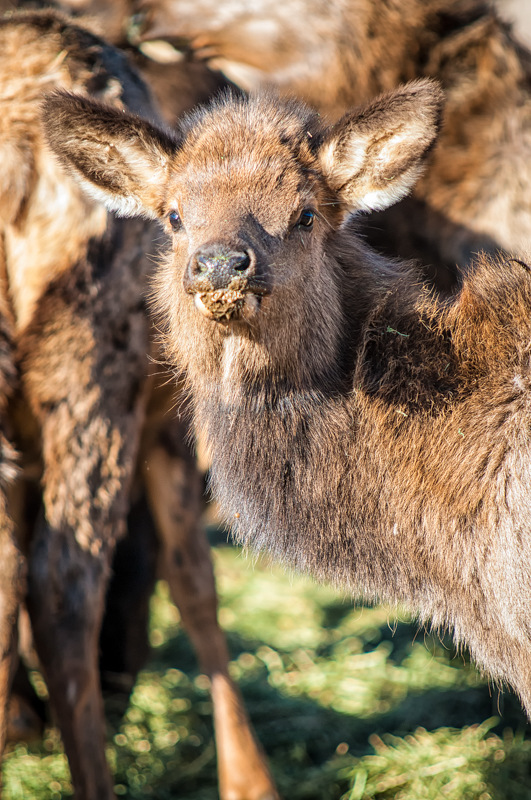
467 764
349 703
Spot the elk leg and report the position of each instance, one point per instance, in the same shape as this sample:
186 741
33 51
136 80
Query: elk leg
66 590
88 461
12 564
84 374
124 640
174 489
88 468
11 590
27 712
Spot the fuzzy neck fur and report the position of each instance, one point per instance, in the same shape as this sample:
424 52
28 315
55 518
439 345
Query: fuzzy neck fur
397 470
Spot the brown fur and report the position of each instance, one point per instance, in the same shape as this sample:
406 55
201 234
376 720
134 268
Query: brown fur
177 86
89 418
334 55
359 427
474 194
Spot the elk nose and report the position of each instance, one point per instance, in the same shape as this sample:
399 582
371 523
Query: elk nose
218 266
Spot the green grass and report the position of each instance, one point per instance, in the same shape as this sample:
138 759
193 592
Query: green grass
349 703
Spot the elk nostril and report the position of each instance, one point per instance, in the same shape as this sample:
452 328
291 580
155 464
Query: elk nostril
242 263
203 263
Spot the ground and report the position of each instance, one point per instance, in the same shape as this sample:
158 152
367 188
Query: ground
349 703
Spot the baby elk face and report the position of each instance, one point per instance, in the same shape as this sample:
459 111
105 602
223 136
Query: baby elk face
241 214
250 190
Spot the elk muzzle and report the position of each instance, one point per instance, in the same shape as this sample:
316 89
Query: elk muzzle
224 282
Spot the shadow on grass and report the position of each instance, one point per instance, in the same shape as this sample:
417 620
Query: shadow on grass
163 747
305 741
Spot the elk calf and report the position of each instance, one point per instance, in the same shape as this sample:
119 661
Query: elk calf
90 417
358 426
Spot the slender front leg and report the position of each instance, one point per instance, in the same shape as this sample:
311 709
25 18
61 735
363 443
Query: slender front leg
84 364
12 566
86 487
11 592
174 489
124 638
66 593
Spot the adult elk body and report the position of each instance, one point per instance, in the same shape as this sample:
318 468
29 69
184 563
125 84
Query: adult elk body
358 426
89 415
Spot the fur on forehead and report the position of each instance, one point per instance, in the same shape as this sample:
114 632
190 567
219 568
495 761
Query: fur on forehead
260 125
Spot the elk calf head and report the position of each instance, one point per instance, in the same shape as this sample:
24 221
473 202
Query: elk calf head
251 191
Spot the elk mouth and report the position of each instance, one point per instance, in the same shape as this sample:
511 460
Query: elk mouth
239 300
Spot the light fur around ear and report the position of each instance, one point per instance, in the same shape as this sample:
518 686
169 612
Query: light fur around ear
118 158
373 156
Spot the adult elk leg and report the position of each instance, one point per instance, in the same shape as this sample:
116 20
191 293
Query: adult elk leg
68 573
11 589
174 488
124 638
86 394
12 565
66 595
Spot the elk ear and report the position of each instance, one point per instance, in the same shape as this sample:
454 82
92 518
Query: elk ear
373 156
118 158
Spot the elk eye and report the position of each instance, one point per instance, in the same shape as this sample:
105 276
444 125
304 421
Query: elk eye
175 220
306 218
